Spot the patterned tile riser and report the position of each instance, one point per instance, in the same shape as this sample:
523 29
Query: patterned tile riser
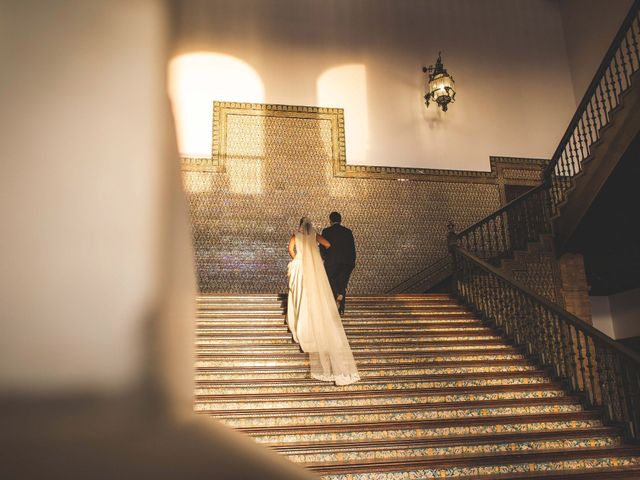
421 321
378 401
433 318
243 341
456 450
377 373
302 361
470 330
354 309
429 325
432 348
355 301
353 339
425 433
592 463
315 419
294 348
221 389
388 330
442 315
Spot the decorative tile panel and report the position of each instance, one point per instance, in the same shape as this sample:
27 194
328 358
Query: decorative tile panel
272 164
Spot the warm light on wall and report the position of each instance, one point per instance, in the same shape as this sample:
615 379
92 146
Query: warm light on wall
195 81
345 86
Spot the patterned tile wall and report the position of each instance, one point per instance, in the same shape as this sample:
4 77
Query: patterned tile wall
273 165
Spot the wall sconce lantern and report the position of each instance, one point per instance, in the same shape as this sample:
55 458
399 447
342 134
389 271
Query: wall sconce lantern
441 87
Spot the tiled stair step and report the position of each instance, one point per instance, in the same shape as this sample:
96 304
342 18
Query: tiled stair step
279 297
566 439
477 464
436 322
397 383
453 325
364 367
389 413
379 397
258 322
362 347
417 312
209 387
301 359
361 329
244 298
256 333
394 370
391 314
630 472
422 320
350 312
425 429
354 307
423 333
212 353
242 338
355 338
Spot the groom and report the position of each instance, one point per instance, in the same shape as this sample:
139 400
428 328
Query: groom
339 259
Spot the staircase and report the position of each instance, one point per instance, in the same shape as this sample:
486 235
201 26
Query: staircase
442 396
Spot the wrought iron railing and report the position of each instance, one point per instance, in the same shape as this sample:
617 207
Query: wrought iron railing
509 228
529 216
589 362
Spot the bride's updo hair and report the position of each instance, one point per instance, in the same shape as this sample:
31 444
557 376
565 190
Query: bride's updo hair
305 225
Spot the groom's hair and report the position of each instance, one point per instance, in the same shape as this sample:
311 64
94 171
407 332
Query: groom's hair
335 217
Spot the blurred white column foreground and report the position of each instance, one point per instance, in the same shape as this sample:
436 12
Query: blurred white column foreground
97 283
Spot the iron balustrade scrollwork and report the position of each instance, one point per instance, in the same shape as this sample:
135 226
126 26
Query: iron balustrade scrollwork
589 362
509 228
527 217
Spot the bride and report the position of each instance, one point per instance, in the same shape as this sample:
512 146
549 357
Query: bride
312 314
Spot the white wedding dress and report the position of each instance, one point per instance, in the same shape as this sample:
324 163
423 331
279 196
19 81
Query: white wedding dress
313 317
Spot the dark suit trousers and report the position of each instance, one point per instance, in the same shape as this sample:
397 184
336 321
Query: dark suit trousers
338 279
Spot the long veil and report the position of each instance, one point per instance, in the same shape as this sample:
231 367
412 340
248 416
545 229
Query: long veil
319 328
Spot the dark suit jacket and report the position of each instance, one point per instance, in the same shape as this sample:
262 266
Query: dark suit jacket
343 247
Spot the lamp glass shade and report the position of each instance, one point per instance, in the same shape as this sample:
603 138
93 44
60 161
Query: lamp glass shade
441 85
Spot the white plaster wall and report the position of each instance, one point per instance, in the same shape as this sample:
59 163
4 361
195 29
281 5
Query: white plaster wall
508 58
601 315
589 27
625 311
90 208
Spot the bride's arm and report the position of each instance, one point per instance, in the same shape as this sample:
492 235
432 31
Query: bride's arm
292 242
323 241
